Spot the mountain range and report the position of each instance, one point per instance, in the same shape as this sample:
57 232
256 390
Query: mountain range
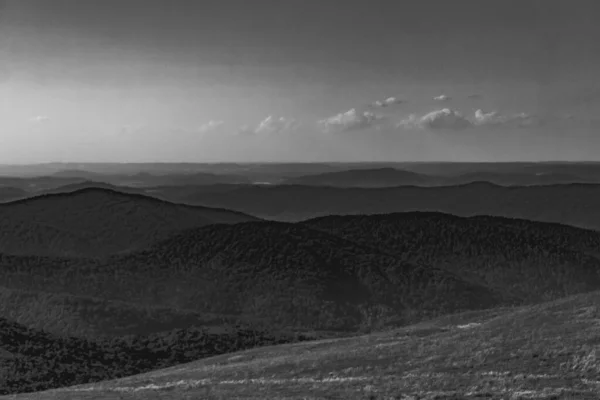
98 284
572 204
94 222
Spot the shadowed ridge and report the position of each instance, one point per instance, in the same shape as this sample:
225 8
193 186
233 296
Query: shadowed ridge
88 184
286 274
363 176
529 260
131 196
416 215
96 222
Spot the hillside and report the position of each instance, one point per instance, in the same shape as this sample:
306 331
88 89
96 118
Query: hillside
573 204
94 222
528 260
8 193
377 177
521 178
546 351
286 275
90 317
339 275
334 273
91 184
34 360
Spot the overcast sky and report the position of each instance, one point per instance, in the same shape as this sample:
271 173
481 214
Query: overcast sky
299 80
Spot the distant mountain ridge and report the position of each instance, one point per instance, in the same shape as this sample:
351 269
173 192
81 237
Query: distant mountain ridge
573 204
378 177
347 274
97 221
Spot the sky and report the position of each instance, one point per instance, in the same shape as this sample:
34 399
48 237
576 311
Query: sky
299 80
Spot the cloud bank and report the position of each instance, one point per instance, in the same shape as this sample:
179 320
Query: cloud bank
450 119
387 102
349 121
270 125
39 119
441 119
495 119
442 97
210 126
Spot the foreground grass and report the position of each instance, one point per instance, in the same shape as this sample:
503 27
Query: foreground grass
548 351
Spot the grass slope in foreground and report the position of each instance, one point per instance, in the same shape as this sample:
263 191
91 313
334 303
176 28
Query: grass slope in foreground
546 351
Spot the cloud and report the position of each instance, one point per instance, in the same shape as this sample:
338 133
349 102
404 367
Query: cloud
451 119
440 119
210 126
442 97
39 119
495 119
270 125
387 102
349 121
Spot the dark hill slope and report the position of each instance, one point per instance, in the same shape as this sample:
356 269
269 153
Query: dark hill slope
34 360
8 193
574 204
283 274
546 351
377 177
90 184
531 260
95 222
518 178
85 316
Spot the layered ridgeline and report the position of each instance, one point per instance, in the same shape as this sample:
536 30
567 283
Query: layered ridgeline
573 204
377 177
389 177
334 273
287 275
96 222
252 283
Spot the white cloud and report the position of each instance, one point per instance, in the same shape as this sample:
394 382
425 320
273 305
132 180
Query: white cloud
349 121
275 125
270 125
410 122
495 119
387 102
442 97
39 119
210 126
451 119
439 119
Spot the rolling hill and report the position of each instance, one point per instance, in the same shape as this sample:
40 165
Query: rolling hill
335 273
573 204
530 261
286 275
92 317
391 177
8 193
546 351
36 360
378 177
339 274
96 222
